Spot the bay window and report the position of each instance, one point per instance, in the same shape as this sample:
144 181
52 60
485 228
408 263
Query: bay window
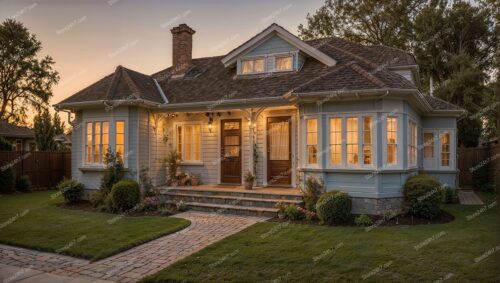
392 140
120 138
428 145
412 144
367 140
250 66
445 149
97 141
312 141
336 141
352 141
189 142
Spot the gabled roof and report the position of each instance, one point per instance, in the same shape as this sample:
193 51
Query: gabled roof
122 84
439 104
12 131
275 29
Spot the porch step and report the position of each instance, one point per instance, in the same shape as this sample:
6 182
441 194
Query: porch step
233 209
229 199
235 201
236 193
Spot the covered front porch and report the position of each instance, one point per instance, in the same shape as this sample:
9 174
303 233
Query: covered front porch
221 145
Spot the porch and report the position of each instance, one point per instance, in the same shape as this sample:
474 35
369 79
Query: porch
260 201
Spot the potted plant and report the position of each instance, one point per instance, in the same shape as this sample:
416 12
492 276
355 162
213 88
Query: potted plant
182 177
195 179
249 178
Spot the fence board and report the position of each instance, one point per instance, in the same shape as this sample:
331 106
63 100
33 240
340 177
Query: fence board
470 159
45 169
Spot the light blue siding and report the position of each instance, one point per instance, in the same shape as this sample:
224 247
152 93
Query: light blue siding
275 44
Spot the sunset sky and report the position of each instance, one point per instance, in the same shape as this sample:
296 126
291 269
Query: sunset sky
88 39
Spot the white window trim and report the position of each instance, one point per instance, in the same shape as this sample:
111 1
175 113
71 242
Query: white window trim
303 135
291 55
400 121
111 139
175 140
253 59
452 150
269 62
343 164
434 164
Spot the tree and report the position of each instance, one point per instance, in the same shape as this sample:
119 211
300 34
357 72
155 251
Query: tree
46 128
25 80
384 22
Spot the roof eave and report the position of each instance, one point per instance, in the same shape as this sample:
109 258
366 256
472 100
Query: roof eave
84 104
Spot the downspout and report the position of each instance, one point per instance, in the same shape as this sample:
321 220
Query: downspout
149 141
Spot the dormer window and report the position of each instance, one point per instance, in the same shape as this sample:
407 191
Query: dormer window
283 63
252 66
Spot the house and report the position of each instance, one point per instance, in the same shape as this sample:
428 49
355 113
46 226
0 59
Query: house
277 106
21 138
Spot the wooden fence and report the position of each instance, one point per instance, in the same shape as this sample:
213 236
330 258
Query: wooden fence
470 159
45 169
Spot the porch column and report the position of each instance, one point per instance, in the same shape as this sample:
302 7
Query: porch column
252 117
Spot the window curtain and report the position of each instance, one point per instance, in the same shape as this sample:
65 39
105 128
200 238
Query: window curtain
279 141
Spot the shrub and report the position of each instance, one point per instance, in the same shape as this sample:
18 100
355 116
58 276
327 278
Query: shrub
5 145
114 171
292 212
23 184
71 190
7 180
173 161
146 183
363 220
124 195
450 195
422 196
150 204
480 177
309 215
181 206
334 207
97 199
389 214
311 193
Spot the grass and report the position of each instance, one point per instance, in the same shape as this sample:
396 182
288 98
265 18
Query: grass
34 221
274 252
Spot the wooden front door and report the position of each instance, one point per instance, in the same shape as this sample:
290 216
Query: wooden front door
230 151
279 152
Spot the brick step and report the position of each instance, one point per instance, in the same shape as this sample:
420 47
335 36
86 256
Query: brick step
235 193
228 199
232 209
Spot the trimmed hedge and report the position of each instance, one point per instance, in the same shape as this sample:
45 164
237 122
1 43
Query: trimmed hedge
23 184
125 195
422 196
71 190
334 207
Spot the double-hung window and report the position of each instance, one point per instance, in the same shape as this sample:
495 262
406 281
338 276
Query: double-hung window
120 138
250 66
312 141
445 149
367 140
392 140
189 142
336 141
97 141
428 145
412 144
352 140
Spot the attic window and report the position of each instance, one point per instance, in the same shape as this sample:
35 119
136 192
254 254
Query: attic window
283 63
252 66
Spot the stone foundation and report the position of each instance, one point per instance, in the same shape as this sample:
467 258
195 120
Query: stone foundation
376 206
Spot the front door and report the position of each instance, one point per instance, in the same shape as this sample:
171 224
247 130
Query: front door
279 157
230 151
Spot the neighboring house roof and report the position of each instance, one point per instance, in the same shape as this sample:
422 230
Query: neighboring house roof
123 84
12 131
352 67
63 138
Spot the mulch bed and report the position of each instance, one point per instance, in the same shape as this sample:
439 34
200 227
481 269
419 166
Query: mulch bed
378 220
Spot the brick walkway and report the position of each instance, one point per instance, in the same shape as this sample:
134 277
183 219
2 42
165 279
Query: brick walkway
138 262
469 198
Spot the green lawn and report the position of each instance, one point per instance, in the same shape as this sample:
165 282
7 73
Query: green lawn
273 252
34 221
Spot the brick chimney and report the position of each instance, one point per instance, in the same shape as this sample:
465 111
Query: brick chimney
182 46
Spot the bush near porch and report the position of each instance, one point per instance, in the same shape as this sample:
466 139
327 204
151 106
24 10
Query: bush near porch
282 252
